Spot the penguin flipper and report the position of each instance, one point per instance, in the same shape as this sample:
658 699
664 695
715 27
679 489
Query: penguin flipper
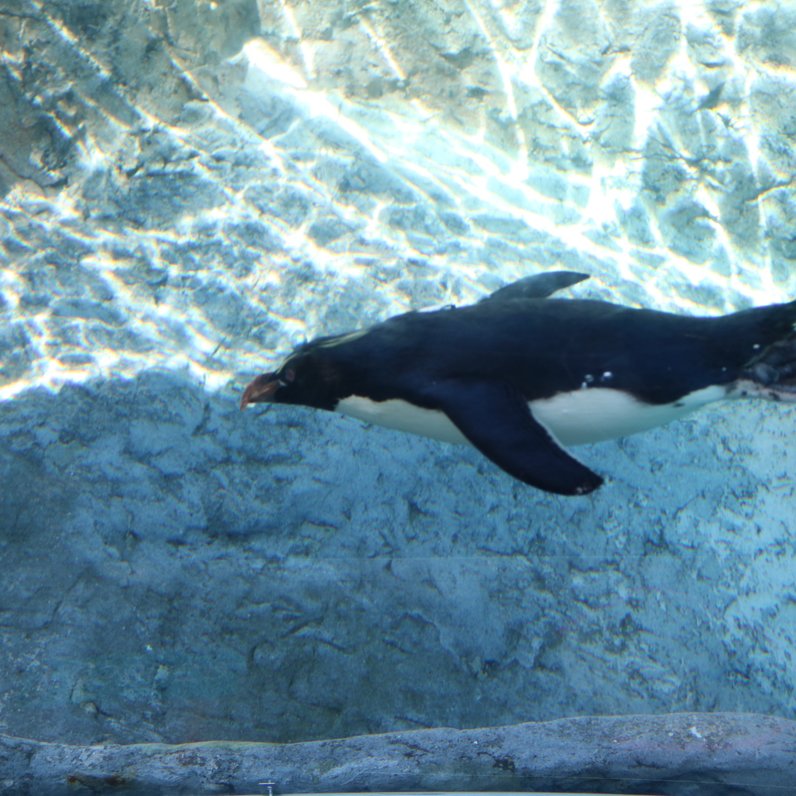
497 421
537 286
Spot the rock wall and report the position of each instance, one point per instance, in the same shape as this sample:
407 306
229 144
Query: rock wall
177 570
681 754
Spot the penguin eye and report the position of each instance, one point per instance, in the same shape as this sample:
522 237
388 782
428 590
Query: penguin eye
286 376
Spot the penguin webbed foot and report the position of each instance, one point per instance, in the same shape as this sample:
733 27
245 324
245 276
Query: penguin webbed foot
774 370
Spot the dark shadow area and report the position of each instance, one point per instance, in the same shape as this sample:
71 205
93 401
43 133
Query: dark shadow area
176 570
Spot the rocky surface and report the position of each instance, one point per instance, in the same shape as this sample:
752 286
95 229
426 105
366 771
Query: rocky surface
189 189
177 570
746 755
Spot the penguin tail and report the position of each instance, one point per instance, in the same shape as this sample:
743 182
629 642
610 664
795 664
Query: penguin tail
771 373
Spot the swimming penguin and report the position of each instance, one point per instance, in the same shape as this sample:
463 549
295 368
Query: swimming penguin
519 375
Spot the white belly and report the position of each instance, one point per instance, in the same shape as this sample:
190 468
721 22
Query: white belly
573 418
600 413
403 416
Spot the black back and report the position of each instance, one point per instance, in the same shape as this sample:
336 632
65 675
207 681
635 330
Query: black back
543 347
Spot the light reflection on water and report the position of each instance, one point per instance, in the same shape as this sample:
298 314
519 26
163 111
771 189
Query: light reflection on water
234 235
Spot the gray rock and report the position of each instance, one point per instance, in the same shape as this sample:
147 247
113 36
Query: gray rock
770 33
293 575
688 230
658 38
711 755
725 12
573 57
616 115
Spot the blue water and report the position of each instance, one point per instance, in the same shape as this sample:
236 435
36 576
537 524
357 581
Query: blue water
176 570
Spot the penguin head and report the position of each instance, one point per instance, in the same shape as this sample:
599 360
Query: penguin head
305 378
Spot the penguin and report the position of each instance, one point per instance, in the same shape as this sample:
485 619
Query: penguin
522 376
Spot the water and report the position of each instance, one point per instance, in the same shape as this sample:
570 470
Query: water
184 203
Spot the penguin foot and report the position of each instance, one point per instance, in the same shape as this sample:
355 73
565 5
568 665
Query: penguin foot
772 374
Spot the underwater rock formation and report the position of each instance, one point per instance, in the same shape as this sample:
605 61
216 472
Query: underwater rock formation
189 189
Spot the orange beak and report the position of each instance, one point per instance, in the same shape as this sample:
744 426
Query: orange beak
262 389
